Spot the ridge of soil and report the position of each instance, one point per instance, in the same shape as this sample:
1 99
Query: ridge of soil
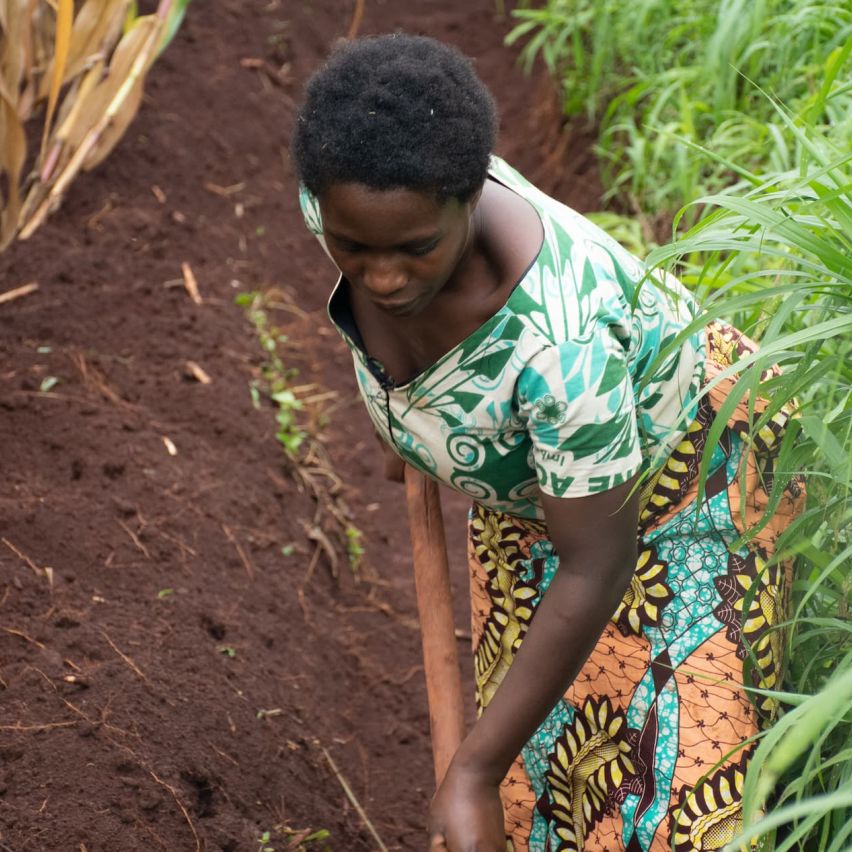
169 678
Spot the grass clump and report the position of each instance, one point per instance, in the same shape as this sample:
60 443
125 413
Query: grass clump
758 197
773 254
662 77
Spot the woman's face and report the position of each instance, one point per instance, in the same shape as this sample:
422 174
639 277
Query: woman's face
397 247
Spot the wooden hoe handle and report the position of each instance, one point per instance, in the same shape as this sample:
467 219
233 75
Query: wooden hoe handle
437 628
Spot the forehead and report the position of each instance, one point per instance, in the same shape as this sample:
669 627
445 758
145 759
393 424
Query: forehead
384 216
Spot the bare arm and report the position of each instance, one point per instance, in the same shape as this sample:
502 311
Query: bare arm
595 538
394 466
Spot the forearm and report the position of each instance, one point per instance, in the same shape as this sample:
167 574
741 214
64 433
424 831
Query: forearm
567 624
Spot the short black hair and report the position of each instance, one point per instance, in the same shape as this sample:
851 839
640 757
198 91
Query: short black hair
396 111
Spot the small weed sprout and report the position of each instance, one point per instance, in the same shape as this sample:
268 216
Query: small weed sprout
275 375
274 384
354 548
296 840
289 435
317 836
254 391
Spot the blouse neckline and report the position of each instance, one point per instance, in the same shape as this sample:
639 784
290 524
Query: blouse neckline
340 313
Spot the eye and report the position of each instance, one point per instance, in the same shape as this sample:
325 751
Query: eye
346 247
422 250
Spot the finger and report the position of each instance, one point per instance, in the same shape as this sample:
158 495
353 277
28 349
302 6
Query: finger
438 843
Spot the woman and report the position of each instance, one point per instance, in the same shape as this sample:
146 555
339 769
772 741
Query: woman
503 345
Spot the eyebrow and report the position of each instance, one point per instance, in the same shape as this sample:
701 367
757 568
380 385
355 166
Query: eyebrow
419 241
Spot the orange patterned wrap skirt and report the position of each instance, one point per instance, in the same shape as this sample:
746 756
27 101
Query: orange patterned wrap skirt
646 752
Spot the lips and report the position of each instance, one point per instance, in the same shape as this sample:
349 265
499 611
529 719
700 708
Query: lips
397 306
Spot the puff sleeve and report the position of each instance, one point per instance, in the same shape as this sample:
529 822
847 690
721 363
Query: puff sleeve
577 401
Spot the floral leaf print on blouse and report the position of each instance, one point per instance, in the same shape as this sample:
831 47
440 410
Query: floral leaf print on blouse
550 410
558 391
589 442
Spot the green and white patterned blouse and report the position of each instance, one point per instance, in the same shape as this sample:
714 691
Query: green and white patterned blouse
551 393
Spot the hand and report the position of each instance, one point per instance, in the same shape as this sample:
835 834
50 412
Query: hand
466 814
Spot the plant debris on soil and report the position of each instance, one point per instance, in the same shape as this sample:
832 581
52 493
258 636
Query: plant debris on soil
178 660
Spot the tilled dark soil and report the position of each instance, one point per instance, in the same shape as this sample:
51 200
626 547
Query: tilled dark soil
169 678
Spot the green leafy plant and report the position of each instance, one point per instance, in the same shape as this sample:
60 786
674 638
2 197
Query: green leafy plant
289 435
275 376
764 237
312 465
665 73
296 840
774 255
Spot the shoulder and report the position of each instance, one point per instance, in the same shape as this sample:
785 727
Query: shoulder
579 273
583 277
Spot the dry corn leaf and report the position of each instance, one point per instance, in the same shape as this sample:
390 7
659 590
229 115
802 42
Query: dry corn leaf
11 53
7 93
131 58
90 68
97 27
40 50
14 73
96 106
64 22
13 151
13 45
59 150
119 123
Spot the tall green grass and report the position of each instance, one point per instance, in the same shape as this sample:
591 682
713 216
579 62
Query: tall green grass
689 98
654 73
775 257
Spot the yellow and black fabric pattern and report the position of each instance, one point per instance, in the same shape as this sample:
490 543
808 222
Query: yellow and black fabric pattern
646 751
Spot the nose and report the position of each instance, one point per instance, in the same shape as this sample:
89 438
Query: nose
383 276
